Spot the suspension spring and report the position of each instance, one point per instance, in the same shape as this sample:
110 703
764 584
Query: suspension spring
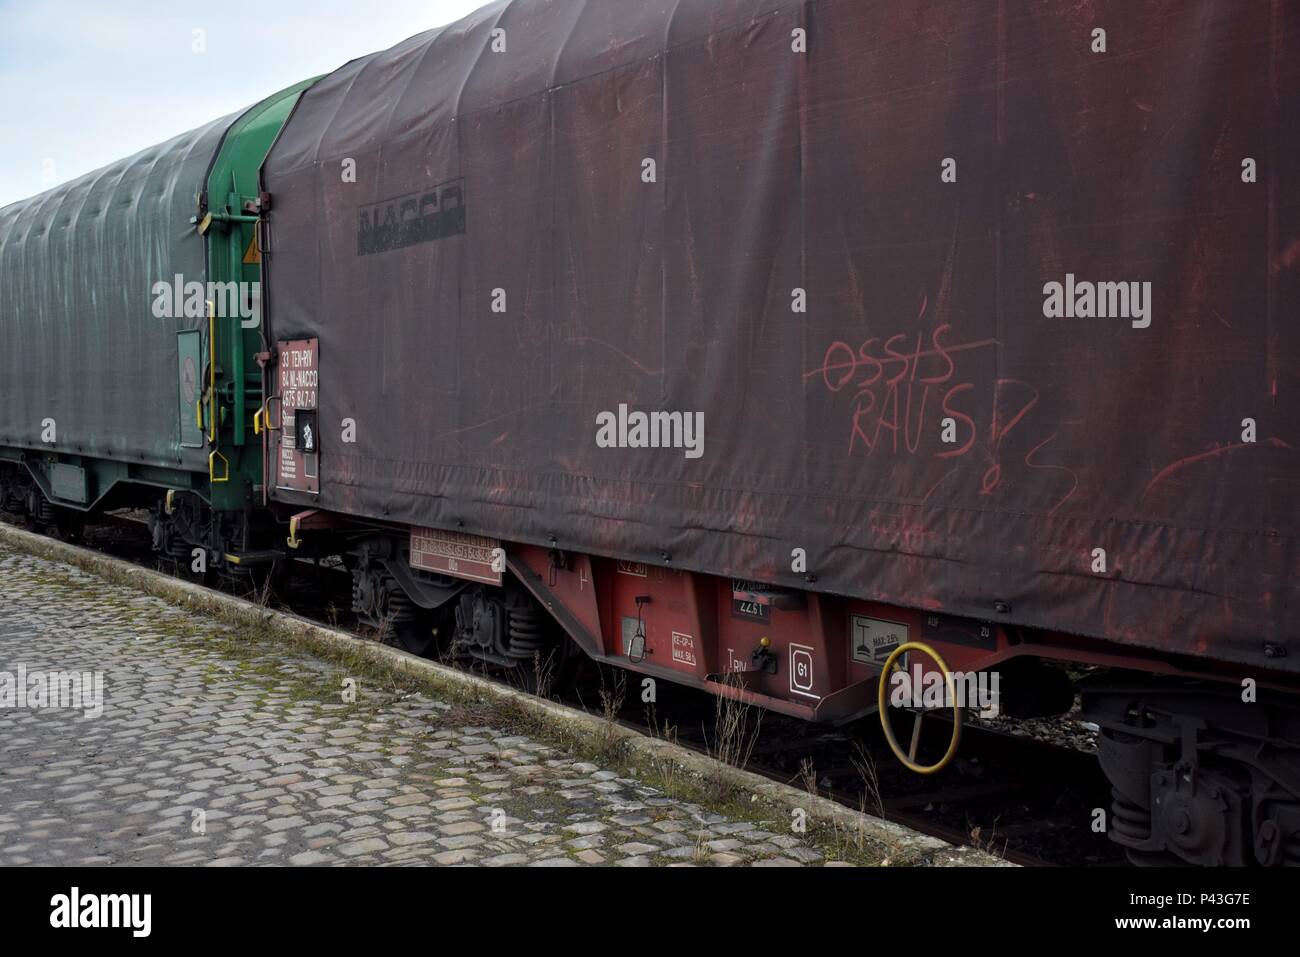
1131 822
527 634
398 607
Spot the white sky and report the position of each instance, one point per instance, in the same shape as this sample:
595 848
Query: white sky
87 82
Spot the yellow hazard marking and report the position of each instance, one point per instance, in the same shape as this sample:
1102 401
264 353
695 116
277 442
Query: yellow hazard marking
253 255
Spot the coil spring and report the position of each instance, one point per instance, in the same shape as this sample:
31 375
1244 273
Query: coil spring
389 602
1130 821
358 603
398 607
526 631
45 512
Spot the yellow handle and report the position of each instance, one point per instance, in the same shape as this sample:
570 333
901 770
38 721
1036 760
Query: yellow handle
225 475
882 691
212 371
267 417
257 422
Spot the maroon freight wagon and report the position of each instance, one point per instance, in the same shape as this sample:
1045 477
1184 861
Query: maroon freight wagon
757 342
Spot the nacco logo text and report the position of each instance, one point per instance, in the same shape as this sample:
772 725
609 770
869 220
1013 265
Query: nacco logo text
402 221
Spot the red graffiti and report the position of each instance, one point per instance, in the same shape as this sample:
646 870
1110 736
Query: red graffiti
892 382
907 387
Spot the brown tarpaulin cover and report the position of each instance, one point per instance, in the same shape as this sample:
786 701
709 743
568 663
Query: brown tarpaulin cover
522 170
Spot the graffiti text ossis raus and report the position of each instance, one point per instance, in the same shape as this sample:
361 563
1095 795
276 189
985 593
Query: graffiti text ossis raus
651 430
64 690
924 393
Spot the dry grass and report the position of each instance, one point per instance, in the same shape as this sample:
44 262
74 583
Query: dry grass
736 724
808 777
856 838
263 594
384 631
700 853
857 841
865 765
544 671
666 770
989 845
609 740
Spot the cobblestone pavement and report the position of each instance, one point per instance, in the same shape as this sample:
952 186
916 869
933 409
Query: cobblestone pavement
212 751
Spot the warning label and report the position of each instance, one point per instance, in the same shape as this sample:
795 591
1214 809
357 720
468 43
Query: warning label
684 648
875 639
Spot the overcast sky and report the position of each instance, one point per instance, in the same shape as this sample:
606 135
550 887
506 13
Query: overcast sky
87 82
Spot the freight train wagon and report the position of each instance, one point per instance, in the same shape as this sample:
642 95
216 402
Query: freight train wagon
129 326
759 342
769 346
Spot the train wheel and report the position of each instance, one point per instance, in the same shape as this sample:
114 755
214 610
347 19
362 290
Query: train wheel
908 756
418 636
508 634
380 602
412 628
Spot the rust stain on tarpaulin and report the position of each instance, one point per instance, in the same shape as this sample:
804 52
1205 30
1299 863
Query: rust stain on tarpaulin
610 347
1168 624
1287 258
1174 467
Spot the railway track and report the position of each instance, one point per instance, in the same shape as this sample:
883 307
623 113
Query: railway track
1022 798
1025 799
